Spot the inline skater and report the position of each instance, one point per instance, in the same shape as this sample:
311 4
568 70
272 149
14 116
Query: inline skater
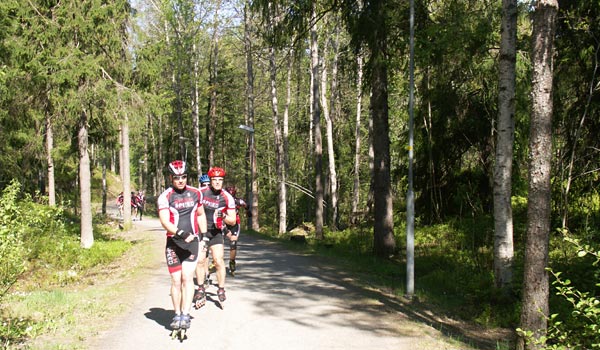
134 206
120 200
204 181
233 232
140 201
219 208
181 213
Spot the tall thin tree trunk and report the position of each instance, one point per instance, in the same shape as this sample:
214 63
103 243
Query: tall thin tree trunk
286 111
371 153
126 171
252 192
316 120
212 117
279 162
50 160
334 113
85 184
357 135
503 221
195 114
535 309
104 185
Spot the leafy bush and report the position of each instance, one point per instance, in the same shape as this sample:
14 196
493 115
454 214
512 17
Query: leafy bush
47 246
12 248
581 328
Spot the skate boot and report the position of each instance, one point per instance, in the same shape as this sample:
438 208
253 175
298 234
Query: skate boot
199 297
232 267
177 330
186 322
221 294
212 268
175 322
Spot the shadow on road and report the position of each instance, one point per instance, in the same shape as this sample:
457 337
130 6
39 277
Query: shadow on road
161 316
287 278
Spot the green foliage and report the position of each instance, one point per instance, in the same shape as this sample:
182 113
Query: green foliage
13 331
578 326
12 232
47 247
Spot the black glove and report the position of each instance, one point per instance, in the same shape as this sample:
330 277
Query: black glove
204 243
183 234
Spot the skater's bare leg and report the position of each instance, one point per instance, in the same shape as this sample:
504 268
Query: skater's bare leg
176 291
217 252
233 240
187 285
201 269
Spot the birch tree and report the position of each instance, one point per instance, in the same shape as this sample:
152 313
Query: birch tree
503 221
251 192
357 135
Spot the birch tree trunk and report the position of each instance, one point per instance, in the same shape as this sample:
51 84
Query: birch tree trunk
104 185
330 141
503 221
535 309
85 184
279 163
196 113
252 192
126 173
212 117
286 111
50 161
357 135
370 194
316 120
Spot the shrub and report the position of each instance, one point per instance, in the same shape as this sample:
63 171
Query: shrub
12 248
581 328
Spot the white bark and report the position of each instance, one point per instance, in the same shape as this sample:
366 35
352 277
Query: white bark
357 134
85 185
503 221
50 161
316 119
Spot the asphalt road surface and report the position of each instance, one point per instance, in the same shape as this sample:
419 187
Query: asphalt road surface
277 300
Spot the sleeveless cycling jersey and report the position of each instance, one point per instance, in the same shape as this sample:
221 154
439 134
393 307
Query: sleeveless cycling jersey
213 203
182 206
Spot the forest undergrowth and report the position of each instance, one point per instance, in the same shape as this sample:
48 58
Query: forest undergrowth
454 275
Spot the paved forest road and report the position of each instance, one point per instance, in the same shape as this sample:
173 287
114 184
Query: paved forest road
278 300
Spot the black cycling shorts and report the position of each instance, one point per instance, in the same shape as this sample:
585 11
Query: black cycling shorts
177 255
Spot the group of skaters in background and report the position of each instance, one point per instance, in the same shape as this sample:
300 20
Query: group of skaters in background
138 202
197 221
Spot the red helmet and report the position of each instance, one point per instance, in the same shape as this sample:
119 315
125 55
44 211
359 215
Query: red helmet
177 167
231 189
216 172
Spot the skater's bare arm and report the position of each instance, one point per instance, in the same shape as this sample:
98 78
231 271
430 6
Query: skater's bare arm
229 218
164 217
202 220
